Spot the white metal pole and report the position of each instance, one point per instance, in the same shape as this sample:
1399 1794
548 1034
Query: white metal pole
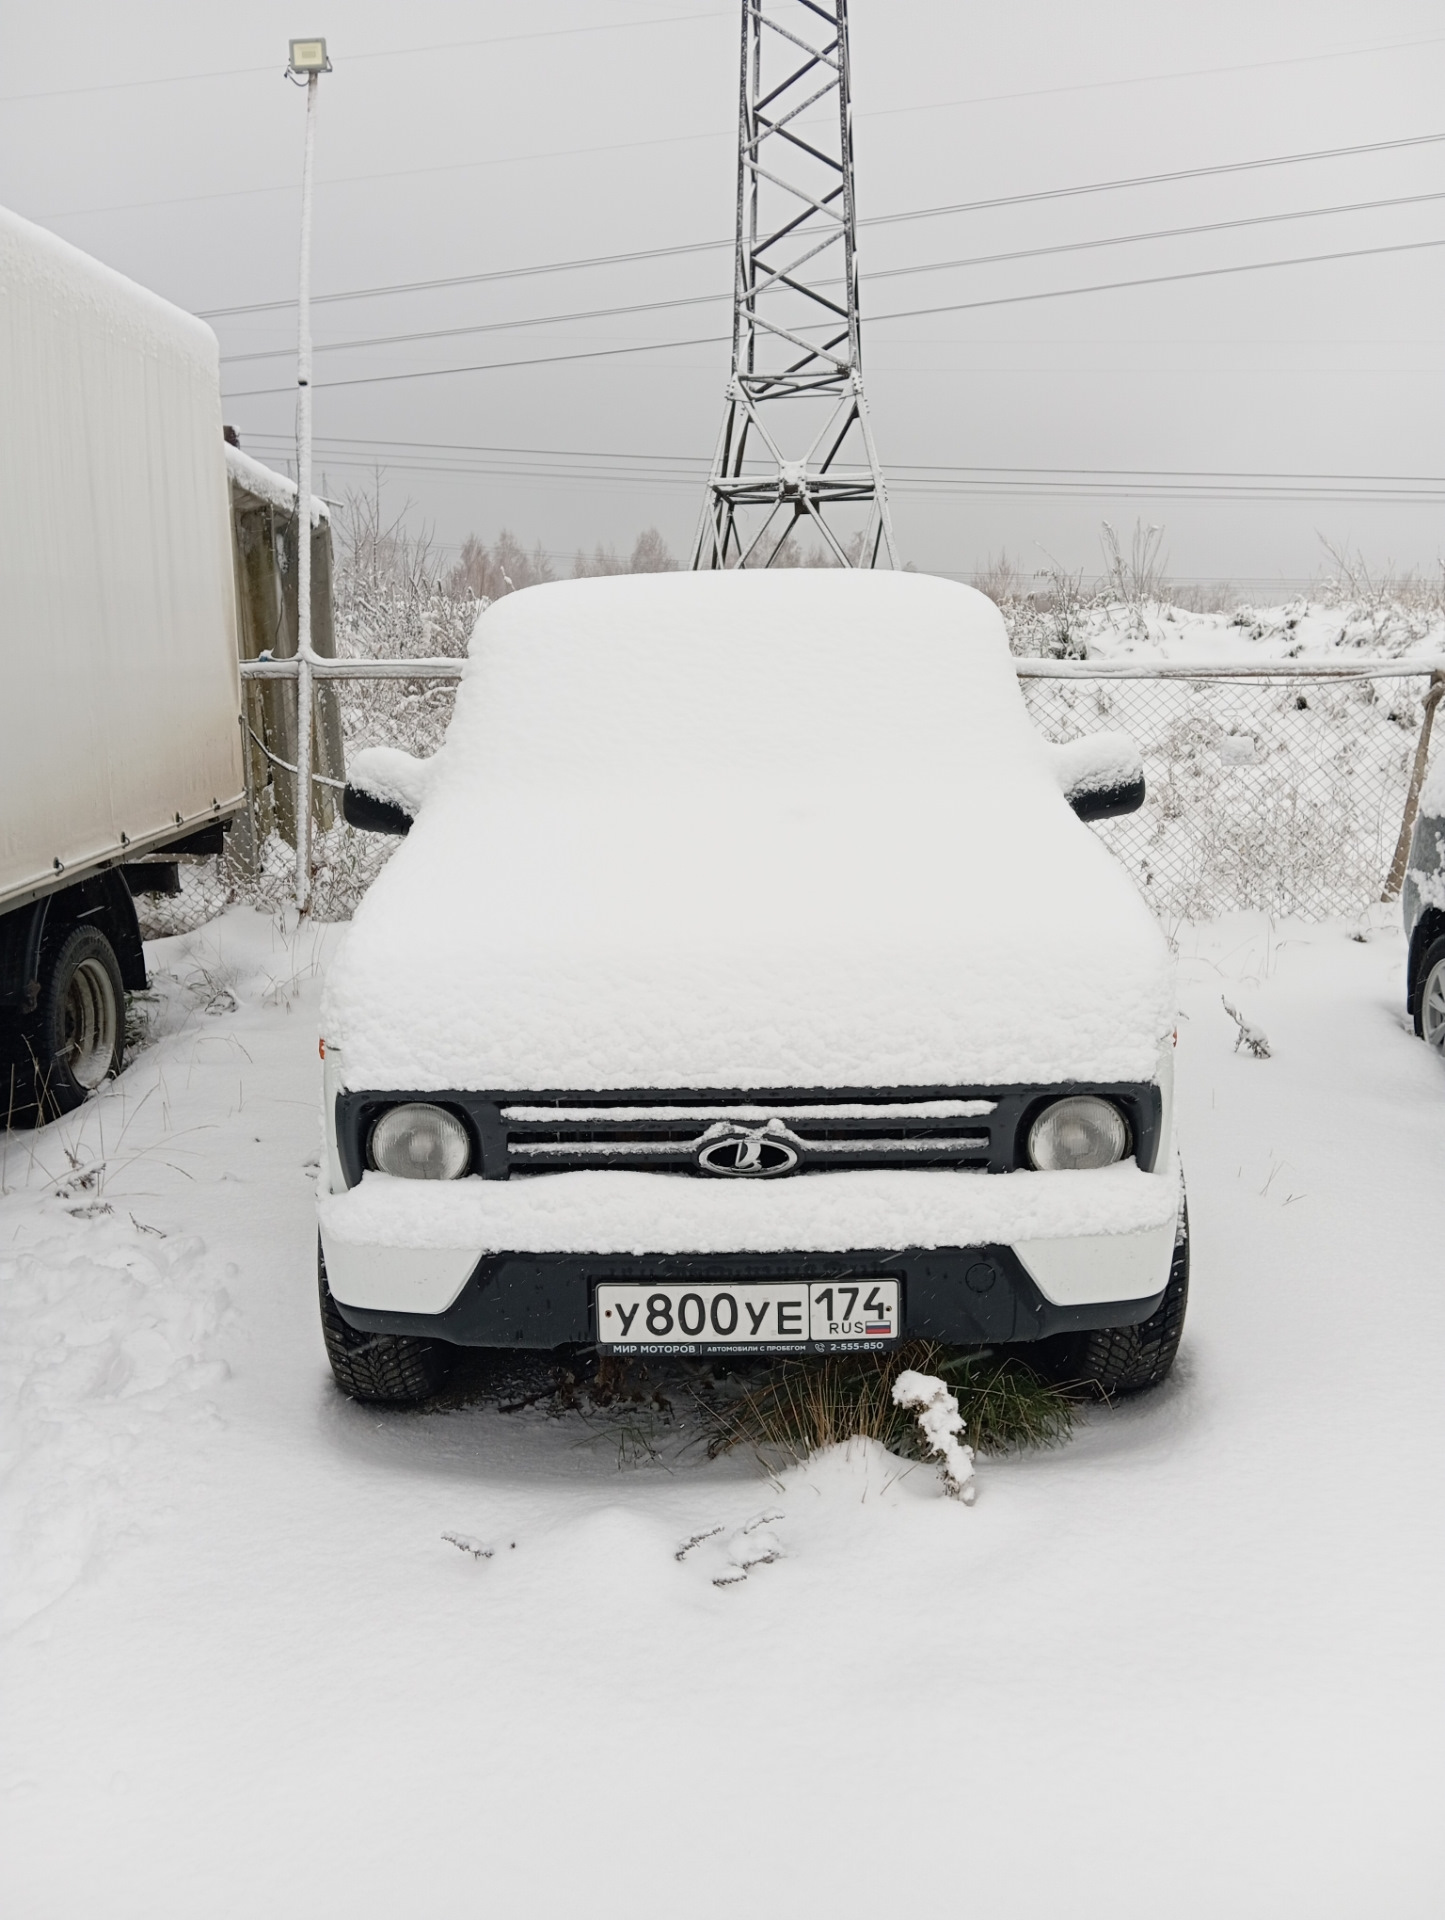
304 654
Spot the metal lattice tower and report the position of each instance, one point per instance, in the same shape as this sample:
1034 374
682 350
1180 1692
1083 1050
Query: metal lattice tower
795 442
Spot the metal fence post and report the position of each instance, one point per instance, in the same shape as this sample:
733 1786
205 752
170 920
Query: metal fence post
305 658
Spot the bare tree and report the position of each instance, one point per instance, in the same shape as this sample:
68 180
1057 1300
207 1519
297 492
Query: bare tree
650 554
486 573
603 562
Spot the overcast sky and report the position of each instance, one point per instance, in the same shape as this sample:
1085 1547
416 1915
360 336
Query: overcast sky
465 139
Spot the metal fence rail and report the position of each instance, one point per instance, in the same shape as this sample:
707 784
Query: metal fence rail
1281 786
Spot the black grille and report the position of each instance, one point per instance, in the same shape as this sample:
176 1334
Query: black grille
820 1133
529 1135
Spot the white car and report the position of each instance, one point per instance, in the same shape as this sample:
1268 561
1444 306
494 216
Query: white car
748 983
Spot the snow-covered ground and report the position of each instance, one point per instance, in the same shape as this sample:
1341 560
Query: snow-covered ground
1189 1664
1383 623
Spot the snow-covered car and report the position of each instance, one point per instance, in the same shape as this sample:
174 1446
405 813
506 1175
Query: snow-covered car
1422 901
747 982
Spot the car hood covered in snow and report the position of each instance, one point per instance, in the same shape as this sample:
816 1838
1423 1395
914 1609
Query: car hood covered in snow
740 830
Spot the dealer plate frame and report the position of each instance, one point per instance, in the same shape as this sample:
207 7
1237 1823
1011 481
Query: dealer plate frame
766 1316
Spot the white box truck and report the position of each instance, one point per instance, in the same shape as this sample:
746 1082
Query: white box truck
120 706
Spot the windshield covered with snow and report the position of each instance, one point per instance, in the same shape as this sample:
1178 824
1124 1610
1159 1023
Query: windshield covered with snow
803 687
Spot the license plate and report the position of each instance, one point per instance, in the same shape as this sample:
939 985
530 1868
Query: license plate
765 1316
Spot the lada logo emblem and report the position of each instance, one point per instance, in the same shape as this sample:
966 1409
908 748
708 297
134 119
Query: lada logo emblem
749 1153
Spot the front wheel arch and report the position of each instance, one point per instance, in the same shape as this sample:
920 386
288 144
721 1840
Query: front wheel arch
1113 1361
1429 1016
1428 929
381 1369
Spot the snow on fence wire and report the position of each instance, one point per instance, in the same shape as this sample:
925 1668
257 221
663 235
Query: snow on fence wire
1281 786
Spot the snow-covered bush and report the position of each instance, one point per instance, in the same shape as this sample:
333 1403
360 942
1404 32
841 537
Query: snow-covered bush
1280 795
939 1423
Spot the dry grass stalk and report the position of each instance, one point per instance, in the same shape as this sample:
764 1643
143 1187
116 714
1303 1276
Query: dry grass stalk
805 1405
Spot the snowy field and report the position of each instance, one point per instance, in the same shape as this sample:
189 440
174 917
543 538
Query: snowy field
1188 1664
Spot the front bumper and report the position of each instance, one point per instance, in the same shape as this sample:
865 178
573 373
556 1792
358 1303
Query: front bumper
962 1296
980 1258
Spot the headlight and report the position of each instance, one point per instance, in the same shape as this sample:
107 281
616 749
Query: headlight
1077 1133
420 1142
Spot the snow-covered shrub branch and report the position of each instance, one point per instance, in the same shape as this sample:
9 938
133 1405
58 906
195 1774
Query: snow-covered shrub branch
940 1423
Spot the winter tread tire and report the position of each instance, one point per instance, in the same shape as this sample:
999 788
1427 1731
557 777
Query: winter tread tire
1114 1361
1430 959
79 974
383 1369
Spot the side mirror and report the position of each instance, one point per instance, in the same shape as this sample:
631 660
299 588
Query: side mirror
385 790
1102 775
1105 803
371 815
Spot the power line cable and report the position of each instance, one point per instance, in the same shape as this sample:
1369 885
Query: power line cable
490 366
473 279
903 484
686 472
440 46
681 470
1158 233
887 273
913 313
371 179
1161 279
1162 179
912 466
557 33
488 326
1153 79
572 153
876 220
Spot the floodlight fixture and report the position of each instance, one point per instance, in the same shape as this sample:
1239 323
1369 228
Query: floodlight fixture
309 56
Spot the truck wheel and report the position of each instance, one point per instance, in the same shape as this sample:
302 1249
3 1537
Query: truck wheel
1430 994
1117 1360
385 1369
75 1038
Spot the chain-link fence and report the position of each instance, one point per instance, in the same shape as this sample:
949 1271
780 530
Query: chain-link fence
380 703
1281 790
1283 793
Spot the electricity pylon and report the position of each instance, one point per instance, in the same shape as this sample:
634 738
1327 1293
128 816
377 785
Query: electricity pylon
795 442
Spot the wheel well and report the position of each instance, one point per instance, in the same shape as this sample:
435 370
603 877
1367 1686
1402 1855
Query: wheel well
1429 928
102 901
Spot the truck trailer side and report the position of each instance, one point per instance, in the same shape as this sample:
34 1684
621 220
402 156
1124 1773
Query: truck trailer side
120 734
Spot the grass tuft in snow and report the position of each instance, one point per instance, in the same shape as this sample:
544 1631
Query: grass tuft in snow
804 1405
1253 1039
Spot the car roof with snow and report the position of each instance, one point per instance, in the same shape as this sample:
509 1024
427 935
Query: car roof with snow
750 829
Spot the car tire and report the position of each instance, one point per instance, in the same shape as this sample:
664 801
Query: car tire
1429 996
1109 1362
383 1369
74 1039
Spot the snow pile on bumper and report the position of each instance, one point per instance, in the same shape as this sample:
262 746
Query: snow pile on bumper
636 1213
